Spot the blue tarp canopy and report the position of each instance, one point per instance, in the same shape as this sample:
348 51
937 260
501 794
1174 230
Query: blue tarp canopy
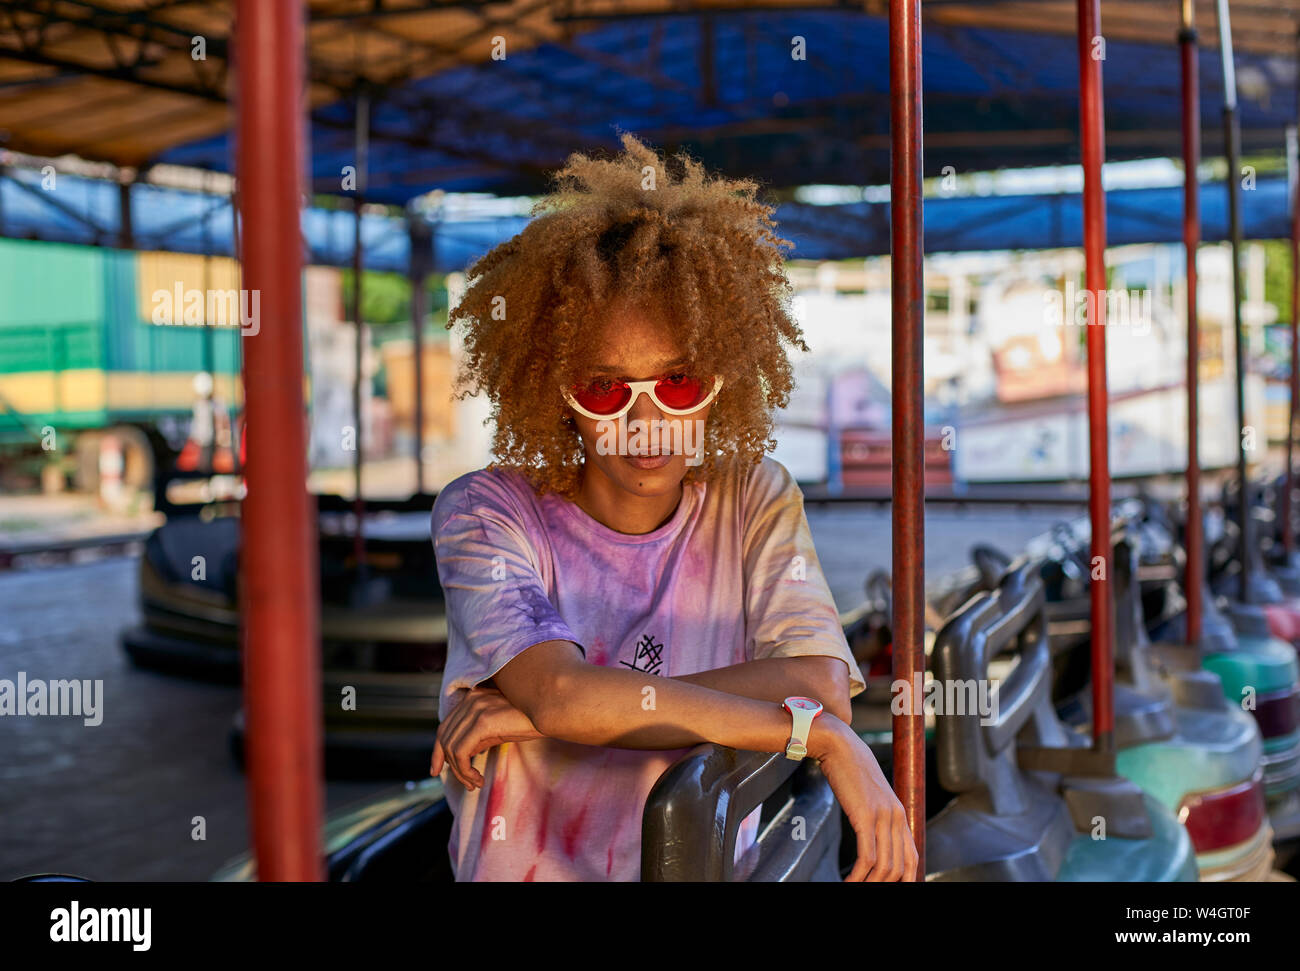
1037 221
88 211
190 222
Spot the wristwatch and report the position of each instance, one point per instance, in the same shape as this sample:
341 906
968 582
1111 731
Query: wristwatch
803 711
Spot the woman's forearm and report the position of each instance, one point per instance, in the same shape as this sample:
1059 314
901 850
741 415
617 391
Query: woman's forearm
825 678
594 705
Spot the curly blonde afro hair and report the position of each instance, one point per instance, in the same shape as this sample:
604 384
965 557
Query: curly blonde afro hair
699 252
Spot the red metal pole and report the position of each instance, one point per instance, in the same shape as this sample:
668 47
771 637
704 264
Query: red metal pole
1093 131
907 294
278 559
1191 239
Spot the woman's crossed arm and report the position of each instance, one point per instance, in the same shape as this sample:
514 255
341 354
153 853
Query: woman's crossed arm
550 690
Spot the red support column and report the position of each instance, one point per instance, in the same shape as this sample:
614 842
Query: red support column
278 561
907 294
1191 239
1093 134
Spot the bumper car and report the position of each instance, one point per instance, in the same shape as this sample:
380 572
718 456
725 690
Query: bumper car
1274 584
1284 568
382 648
689 827
1179 736
1027 793
867 628
1207 763
1260 672
1255 667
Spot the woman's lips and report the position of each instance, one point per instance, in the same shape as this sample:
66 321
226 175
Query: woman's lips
648 462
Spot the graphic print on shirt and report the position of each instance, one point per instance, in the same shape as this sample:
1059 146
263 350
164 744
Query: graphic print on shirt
648 657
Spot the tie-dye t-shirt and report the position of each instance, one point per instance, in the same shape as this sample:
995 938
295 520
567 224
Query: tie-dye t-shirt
731 577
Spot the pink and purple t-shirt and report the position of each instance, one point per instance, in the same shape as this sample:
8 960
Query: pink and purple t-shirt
731 577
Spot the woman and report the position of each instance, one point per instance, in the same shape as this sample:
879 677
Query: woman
633 576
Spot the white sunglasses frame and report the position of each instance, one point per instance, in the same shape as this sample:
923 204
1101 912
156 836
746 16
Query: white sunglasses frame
639 388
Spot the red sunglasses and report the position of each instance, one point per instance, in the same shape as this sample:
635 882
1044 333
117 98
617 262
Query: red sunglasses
674 394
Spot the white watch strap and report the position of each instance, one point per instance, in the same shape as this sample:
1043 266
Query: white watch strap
801 724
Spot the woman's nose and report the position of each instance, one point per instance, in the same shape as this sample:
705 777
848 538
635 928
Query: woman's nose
644 408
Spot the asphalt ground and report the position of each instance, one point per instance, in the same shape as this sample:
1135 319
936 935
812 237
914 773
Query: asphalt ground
122 800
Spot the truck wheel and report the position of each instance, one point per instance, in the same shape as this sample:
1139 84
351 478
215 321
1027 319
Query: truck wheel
137 453
124 464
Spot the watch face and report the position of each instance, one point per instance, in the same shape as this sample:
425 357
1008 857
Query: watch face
807 704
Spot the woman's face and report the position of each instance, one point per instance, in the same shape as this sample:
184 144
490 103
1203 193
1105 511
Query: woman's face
645 452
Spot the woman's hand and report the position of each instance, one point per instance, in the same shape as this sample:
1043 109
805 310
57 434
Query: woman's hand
886 850
481 720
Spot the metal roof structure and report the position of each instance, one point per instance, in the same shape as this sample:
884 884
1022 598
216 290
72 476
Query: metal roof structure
788 92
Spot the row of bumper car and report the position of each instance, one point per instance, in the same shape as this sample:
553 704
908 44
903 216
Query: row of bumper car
1207 733
1197 787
